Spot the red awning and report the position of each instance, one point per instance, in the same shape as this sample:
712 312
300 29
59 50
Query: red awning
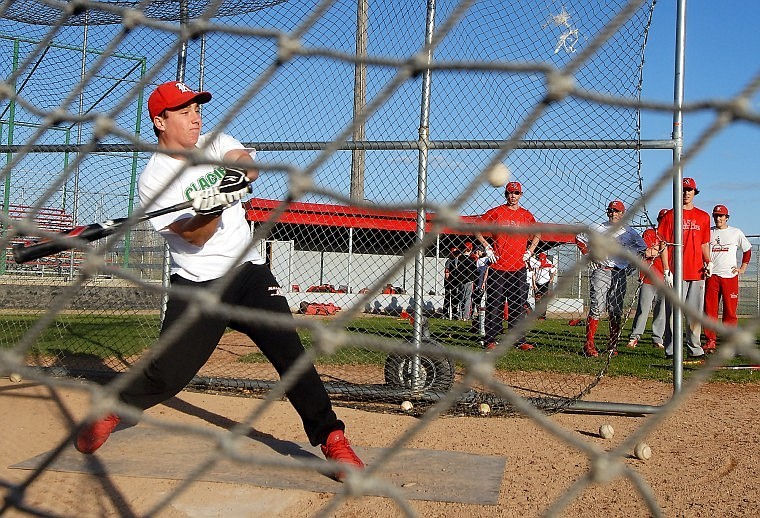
258 210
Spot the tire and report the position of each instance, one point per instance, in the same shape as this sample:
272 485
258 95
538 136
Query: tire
436 374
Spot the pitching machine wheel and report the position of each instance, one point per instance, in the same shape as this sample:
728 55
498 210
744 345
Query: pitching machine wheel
435 374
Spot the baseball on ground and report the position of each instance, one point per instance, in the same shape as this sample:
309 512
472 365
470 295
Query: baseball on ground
642 451
498 175
606 431
15 377
484 408
407 406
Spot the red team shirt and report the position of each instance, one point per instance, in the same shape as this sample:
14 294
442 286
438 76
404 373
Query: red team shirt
652 240
510 248
696 232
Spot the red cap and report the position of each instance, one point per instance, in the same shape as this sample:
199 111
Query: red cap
617 205
542 255
720 209
513 186
468 244
689 183
661 214
173 95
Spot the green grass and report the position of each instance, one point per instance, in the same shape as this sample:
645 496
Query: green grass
101 336
558 349
558 345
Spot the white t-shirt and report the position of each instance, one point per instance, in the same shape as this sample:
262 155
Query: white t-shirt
543 271
724 244
625 236
231 244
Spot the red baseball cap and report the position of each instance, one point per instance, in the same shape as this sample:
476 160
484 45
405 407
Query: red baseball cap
720 209
661 214
513 186
617 205
689 183
173 95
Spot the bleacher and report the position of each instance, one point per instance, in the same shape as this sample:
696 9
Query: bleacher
50 220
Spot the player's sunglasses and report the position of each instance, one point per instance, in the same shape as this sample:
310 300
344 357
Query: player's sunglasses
610 211
688 190
518 193
720 215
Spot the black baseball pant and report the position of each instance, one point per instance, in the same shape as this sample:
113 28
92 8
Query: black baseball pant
253 286
502 285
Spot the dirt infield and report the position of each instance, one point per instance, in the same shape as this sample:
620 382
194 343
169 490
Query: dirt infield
704 459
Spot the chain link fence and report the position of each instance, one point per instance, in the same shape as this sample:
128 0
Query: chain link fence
382 155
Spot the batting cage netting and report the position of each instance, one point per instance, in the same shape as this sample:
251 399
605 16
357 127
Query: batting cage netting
383 132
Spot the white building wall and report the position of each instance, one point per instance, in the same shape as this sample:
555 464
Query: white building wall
306 268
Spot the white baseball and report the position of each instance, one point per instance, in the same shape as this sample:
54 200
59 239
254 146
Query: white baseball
15 377
606 431
642 451
484 408
498 175
407 406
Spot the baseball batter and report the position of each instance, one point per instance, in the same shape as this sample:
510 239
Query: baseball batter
696 265
206 243
607 283
649 297
507 277
723 284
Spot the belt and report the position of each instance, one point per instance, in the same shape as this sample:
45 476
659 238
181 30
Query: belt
614 268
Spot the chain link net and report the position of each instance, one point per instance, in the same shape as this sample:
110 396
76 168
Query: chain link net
347 131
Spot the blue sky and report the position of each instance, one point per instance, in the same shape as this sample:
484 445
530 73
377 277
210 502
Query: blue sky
722 45
721 58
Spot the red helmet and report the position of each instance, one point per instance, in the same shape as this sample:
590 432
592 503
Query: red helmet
513 187
616 205
720 210
689 183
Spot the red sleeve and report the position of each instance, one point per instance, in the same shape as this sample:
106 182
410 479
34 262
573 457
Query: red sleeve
665 232
650 238
665 229
581 246
746 256
706 224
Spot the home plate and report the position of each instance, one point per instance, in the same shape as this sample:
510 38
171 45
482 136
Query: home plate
146 452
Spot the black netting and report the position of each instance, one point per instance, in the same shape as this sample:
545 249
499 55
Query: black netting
109 12
341 243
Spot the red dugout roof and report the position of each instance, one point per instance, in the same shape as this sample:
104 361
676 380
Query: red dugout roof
258 210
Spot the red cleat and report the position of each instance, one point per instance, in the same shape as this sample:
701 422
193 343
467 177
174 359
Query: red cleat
710 347
337 448
490 346
589 350
92 436
526 347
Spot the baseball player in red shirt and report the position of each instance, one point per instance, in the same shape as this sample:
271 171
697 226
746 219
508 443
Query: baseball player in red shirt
724 281
696 265
507 278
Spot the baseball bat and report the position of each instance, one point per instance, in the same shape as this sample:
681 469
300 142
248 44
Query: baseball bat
724 367
67 239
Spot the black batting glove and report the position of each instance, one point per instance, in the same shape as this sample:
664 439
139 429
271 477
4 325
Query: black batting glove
233 186
234 180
